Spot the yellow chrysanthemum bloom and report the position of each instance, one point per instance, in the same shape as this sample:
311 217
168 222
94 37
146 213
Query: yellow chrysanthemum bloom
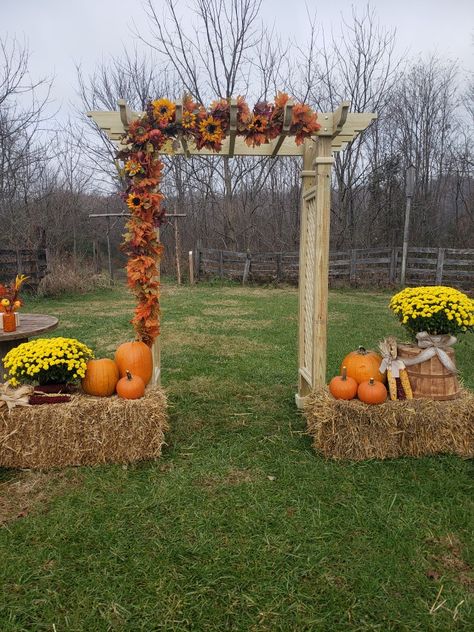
39 361
435 309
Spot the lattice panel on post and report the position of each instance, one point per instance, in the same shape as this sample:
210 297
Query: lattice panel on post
310 202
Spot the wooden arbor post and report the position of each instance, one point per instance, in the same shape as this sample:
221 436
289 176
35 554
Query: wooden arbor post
314 265
338 129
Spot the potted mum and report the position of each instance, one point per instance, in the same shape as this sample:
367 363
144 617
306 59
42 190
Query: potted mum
51 363
434 316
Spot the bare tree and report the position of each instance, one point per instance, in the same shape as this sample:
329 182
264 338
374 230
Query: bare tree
24 152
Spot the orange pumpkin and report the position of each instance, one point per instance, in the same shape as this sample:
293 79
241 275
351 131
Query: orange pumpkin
101 378
343 387
372 392
130 386
135 357
362 365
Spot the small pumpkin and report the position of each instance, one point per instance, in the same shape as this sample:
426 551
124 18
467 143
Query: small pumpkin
372 392
101 378
362 365
343 387
130 386
135 357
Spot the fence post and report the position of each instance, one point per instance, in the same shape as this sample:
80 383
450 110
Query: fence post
198 259
393 265
221 264
248 261
439 266
353 267
18 262
279 271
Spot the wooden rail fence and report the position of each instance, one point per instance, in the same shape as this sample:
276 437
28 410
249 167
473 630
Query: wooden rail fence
33 263
425 266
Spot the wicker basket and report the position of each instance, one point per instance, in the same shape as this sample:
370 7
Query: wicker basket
430 378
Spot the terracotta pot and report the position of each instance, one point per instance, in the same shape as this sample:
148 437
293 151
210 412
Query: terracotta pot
9 322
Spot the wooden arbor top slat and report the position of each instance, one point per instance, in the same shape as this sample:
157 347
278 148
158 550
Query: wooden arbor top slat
341 126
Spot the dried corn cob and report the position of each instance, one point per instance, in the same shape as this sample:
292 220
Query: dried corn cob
392 385
406 384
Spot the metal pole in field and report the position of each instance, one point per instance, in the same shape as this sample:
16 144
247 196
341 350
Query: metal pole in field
178 253
109 254
409 190
191 268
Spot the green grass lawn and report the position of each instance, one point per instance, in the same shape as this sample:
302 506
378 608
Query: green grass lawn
240 525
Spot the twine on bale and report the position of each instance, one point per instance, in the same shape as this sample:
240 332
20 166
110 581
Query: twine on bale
85 431
433 345
356 431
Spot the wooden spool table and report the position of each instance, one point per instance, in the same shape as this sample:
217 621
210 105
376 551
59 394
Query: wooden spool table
30 325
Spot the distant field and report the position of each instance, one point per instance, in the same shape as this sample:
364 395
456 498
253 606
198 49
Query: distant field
241 525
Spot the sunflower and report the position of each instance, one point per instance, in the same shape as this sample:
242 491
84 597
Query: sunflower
163 110
138 132
211 130
132 167
259 123
134 200
189 120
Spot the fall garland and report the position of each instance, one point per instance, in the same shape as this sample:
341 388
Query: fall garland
143 168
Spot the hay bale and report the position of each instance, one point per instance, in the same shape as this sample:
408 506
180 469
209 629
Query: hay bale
85 431
419 427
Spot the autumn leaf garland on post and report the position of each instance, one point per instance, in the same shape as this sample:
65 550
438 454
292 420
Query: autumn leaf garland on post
206 129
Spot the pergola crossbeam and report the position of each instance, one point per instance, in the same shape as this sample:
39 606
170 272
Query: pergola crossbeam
179 120
341 126
340 117
126 115
232 126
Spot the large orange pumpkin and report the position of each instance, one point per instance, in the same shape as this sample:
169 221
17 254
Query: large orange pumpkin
343 387
372 392
101 378
130 386
135 357
362 365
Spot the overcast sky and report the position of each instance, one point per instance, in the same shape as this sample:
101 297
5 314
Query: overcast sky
62 33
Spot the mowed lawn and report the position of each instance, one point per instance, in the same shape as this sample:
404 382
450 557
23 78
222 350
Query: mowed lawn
240 525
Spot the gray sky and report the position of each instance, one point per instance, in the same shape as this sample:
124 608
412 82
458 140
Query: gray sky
64 32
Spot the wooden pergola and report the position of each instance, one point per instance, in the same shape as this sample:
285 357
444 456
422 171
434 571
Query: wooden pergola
338 129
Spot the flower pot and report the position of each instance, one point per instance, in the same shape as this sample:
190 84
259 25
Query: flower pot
17 319
430 378
9 322
52 388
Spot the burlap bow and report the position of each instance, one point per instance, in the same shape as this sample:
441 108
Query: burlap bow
12 397
389 364
434 345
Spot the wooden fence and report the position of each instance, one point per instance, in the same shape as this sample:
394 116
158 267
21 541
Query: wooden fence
33 263
380 266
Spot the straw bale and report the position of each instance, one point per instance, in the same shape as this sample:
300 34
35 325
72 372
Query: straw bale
420 427
85 431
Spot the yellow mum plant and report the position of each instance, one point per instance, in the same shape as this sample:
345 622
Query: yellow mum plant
47 361
435 309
